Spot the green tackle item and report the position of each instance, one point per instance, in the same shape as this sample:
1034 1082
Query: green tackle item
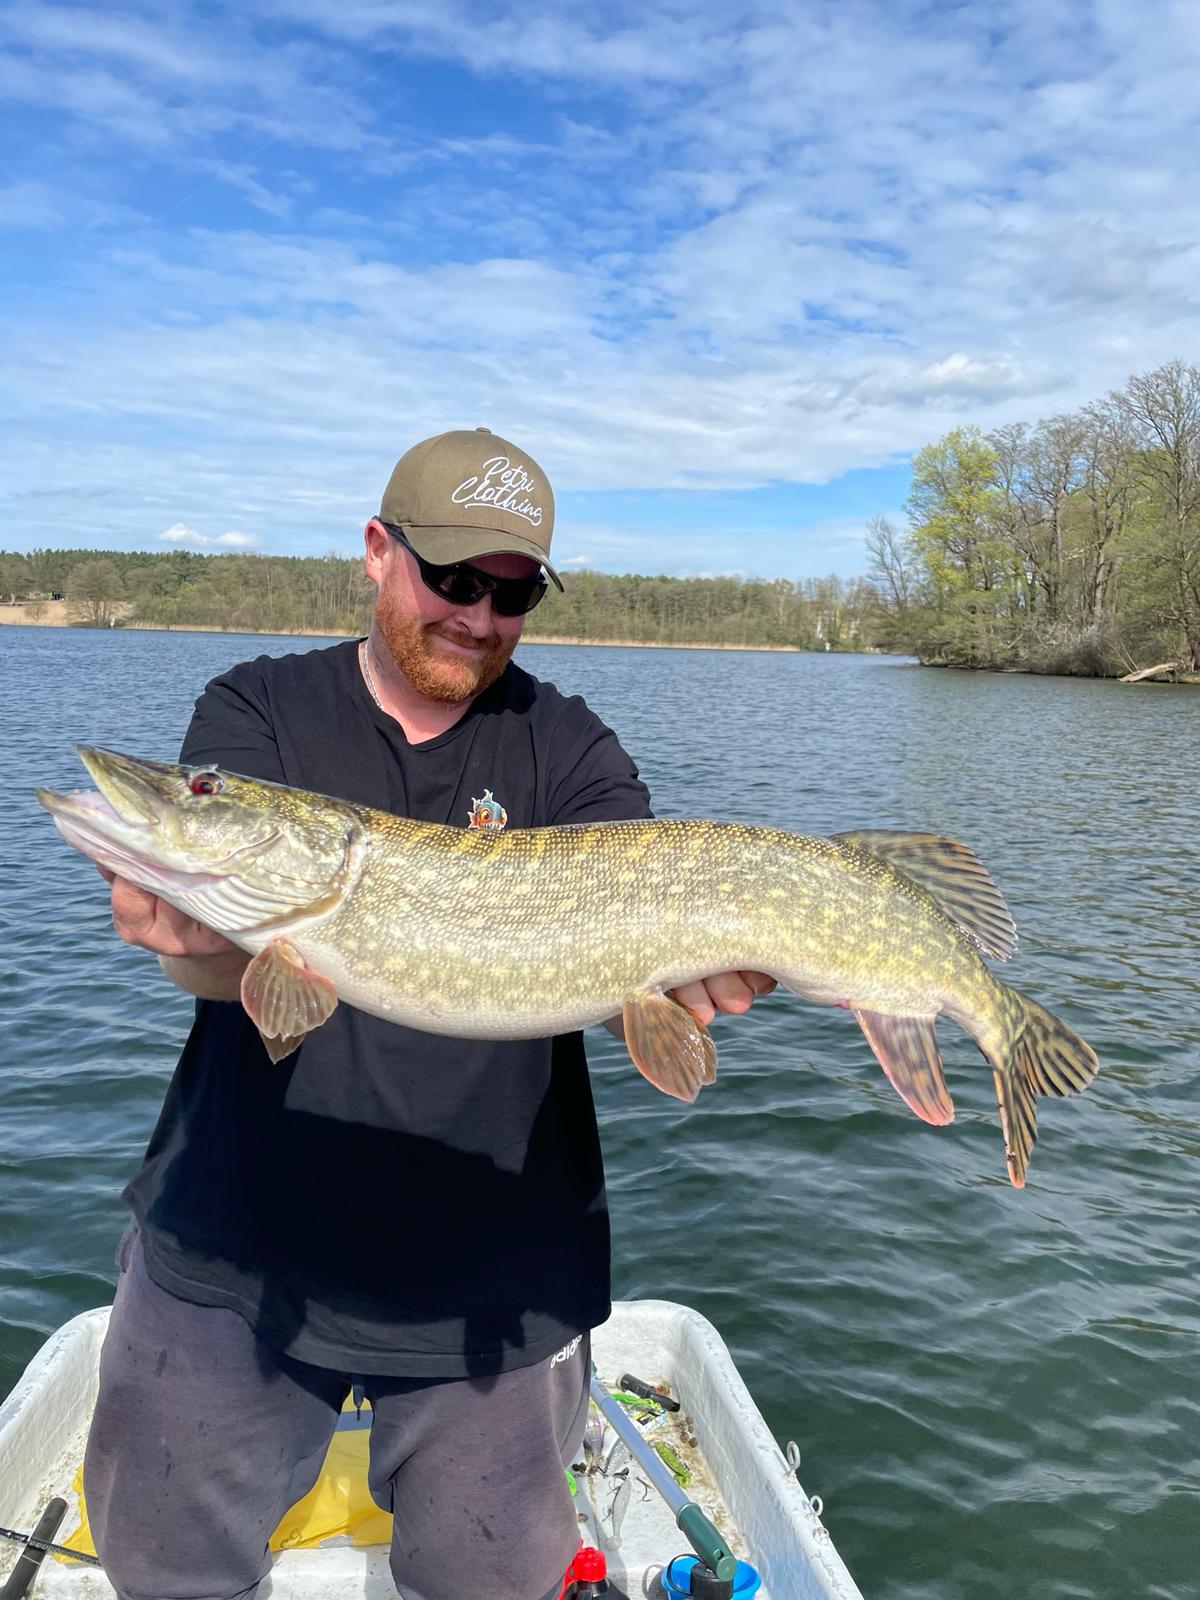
682 1474
691 1521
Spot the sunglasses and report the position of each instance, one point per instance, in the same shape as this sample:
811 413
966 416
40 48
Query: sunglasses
465 585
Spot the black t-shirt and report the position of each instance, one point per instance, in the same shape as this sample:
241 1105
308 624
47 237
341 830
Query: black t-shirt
386 1200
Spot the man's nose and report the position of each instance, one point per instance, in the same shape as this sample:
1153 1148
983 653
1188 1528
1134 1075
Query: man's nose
477 619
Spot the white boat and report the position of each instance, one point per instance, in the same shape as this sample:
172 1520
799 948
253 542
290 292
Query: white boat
740 1477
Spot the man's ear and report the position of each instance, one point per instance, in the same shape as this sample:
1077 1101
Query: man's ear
376 541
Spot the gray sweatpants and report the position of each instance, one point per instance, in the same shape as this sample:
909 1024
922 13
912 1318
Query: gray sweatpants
203 1438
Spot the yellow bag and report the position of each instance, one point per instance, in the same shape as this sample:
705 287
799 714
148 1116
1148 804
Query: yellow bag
339 1503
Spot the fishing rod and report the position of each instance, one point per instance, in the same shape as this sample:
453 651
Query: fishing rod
689 1518
48 1547
37 1546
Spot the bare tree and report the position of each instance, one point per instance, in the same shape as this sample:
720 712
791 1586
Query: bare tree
95 590
1039 471
1107 491
1163 410
891 563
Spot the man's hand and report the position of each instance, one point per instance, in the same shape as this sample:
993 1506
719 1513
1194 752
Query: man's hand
730 992
199 960
143 919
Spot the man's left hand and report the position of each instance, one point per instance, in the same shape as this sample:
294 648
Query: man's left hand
730 992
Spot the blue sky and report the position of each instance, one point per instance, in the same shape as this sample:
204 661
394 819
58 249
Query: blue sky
722 269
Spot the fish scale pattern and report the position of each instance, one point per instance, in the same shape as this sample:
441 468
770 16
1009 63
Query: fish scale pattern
527 927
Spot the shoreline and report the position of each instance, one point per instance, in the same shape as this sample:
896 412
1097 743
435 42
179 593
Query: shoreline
55 616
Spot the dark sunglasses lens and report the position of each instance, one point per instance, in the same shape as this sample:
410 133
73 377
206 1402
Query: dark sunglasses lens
459 585
513 597
464 585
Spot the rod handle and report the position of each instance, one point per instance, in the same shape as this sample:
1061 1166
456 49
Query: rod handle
707 1542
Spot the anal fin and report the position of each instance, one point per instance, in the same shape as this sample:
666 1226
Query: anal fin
668 1046
284 998
906 1049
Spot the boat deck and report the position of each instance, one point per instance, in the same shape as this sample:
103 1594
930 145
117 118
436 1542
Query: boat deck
739 1476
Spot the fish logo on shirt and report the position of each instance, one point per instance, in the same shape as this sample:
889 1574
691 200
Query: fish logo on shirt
487 813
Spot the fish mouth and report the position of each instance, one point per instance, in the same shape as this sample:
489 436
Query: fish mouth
129 803
137 790
132 793
133 825
90 825
121 826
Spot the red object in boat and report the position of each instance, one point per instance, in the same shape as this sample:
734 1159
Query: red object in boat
586 1575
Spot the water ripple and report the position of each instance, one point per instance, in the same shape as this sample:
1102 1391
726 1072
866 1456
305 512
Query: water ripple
994 1392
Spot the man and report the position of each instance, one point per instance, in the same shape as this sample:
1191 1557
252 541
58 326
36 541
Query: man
421 1217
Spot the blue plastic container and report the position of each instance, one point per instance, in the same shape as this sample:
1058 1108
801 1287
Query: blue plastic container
675 1579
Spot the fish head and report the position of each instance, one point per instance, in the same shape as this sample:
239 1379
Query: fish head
233 852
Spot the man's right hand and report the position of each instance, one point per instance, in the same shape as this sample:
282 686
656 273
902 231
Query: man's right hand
192 955
143 919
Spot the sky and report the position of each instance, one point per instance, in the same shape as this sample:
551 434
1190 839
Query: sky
722 269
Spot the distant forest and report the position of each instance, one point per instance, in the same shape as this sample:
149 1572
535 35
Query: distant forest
329 594
1067 546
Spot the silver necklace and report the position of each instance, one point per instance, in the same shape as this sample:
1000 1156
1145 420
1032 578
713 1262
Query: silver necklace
364 656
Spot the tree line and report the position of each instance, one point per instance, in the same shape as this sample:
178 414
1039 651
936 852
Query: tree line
330 594
1071 545
816 614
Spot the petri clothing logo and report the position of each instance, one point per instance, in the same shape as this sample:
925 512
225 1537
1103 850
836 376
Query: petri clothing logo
487 814
503 486
567 1351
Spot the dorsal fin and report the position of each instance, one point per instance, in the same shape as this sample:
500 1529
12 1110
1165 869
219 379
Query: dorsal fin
953 875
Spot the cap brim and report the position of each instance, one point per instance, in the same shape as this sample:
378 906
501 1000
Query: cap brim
445 545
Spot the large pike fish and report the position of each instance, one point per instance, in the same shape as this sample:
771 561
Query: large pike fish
543 930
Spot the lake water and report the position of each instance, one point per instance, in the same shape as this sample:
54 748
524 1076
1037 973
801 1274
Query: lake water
996 1393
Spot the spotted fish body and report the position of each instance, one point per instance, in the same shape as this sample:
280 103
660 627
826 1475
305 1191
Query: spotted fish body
542 930
530 932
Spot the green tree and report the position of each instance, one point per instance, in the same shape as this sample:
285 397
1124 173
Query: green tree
13 578
94 591
953 511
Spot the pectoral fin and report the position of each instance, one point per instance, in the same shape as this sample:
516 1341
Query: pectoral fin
284 997
668 1045
906 1049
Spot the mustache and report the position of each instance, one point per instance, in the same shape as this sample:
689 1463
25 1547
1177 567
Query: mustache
489 642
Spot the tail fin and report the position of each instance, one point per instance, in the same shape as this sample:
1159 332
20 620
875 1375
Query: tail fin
1035 1054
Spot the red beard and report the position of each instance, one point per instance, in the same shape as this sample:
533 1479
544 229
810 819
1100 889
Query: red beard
433 673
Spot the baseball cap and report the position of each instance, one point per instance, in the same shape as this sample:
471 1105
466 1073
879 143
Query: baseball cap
471 493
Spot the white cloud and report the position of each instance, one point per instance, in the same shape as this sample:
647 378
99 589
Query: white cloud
180 534
723 248
241 177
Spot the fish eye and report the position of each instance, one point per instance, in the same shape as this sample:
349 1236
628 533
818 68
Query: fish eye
206 783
